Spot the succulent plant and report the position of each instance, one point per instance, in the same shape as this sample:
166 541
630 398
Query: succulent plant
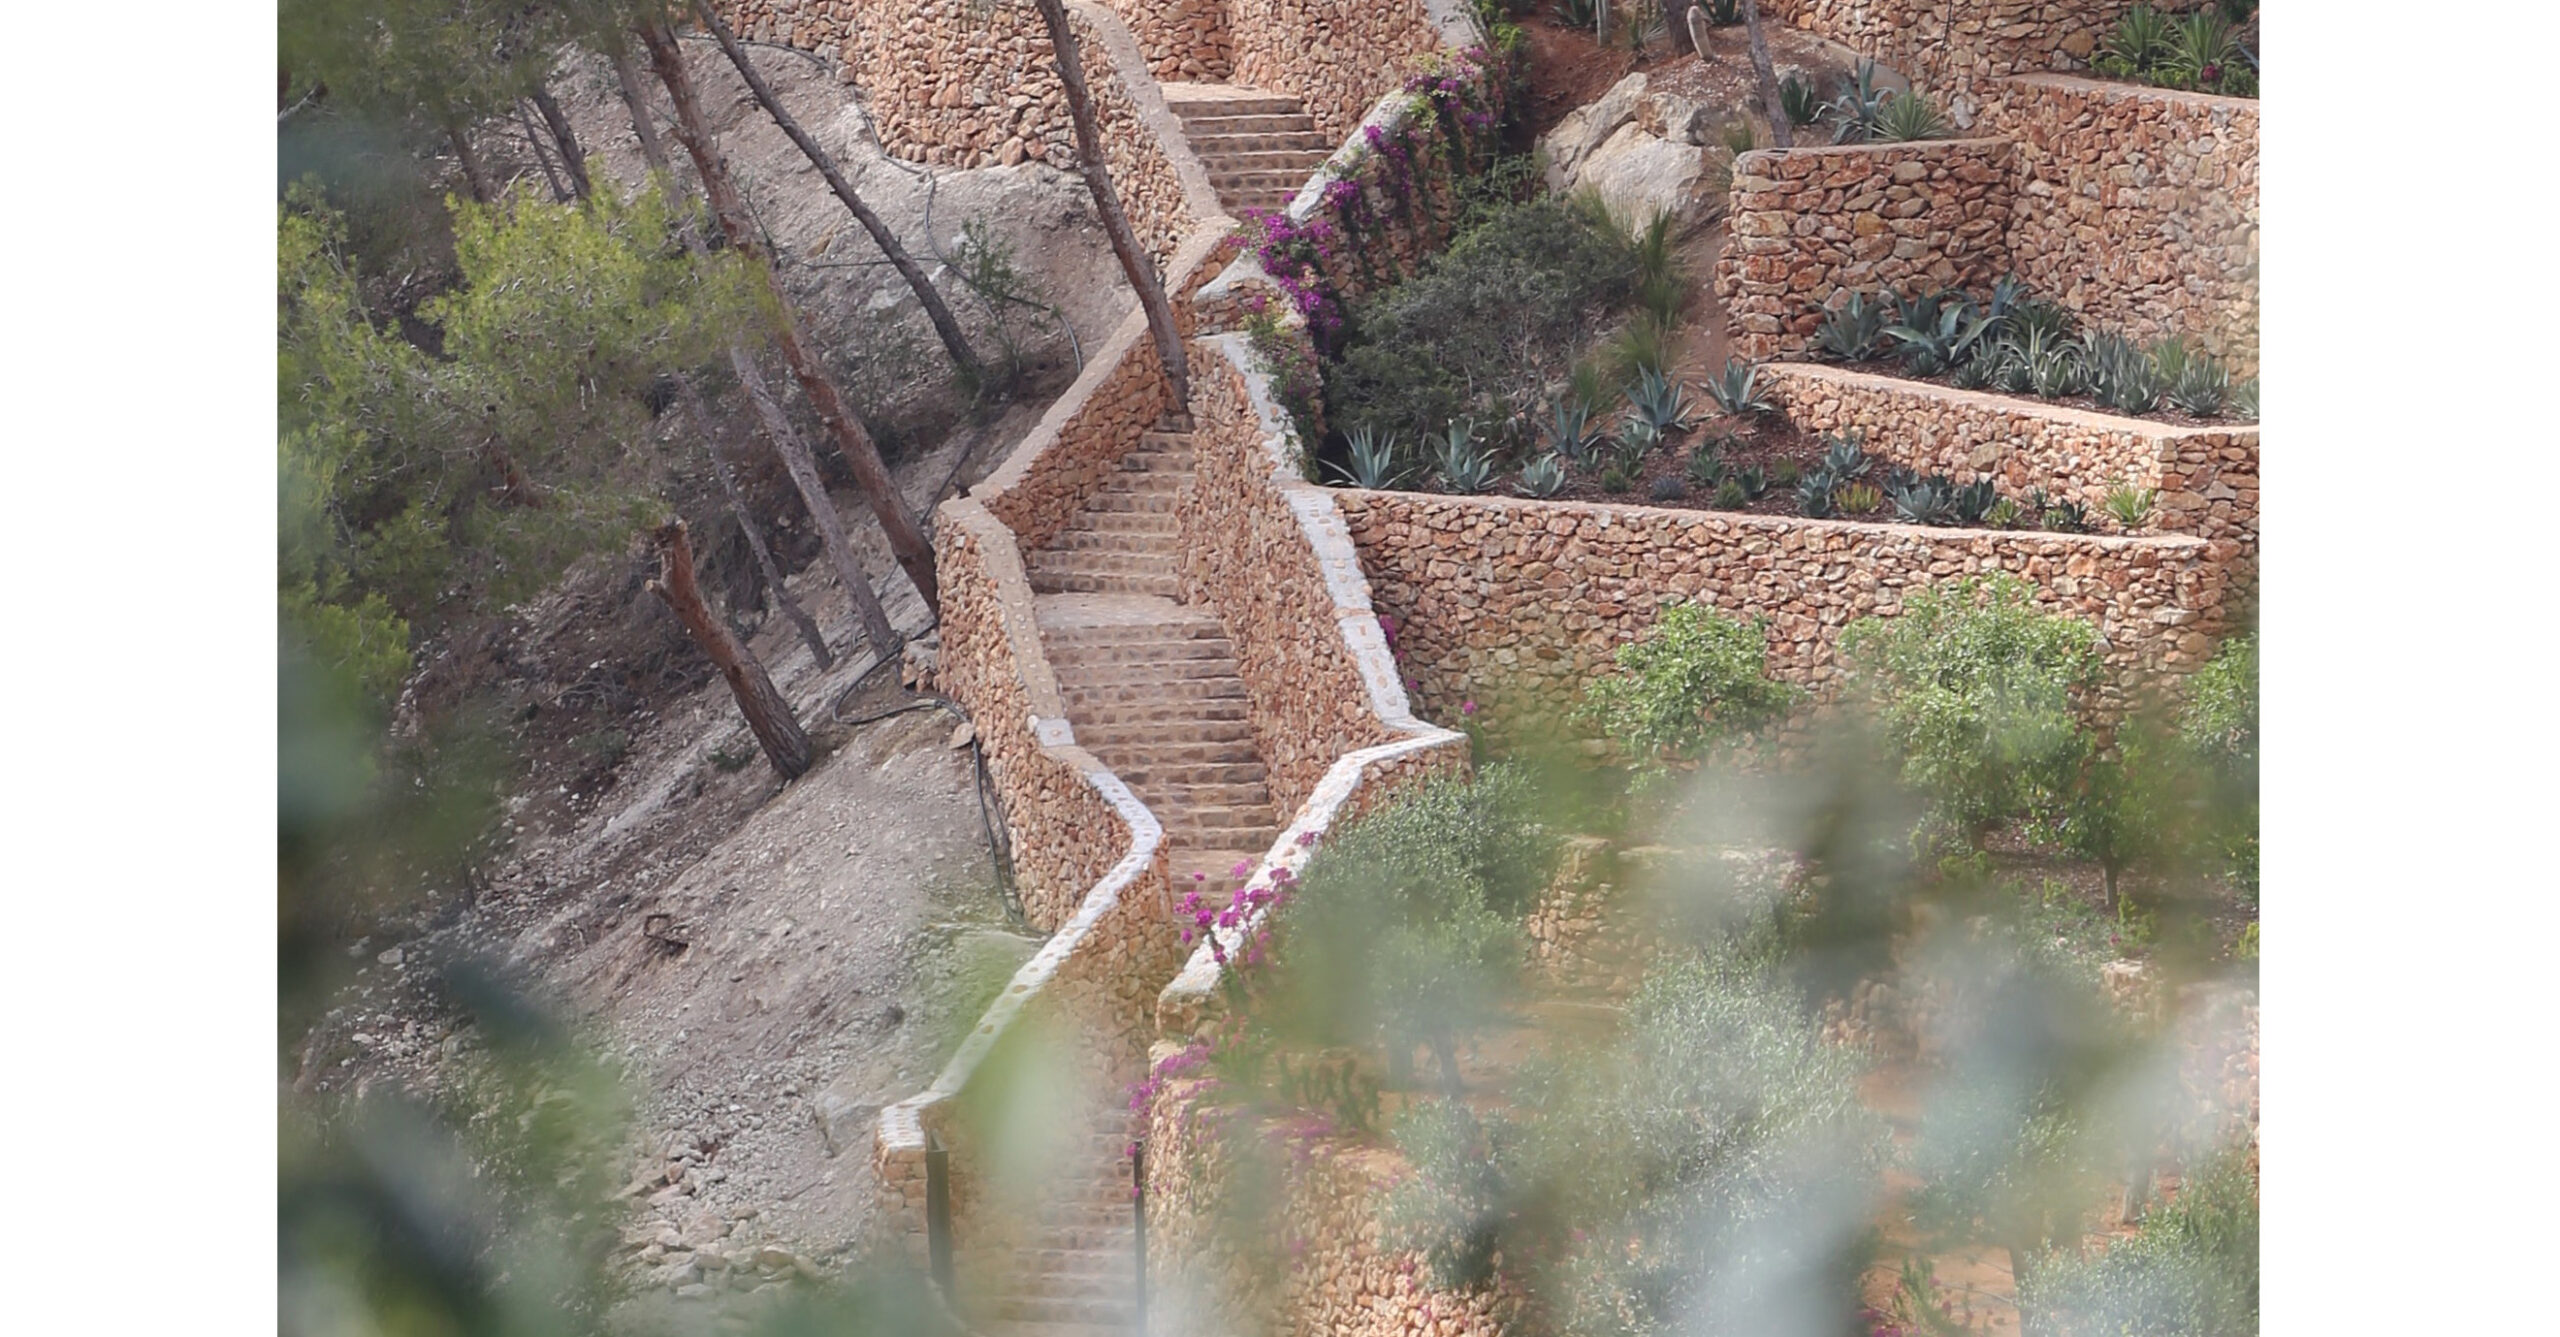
1858 498
1813 495
1373 462
1706 467
1668 488
1843 457
1465 466
1736 390
2004 514
1542 477
1658 400
2130 505
1851 330
1569 431
1729 495
2203 387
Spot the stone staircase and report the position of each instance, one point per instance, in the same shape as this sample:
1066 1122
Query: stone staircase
1072 1270
1259 147
1150 684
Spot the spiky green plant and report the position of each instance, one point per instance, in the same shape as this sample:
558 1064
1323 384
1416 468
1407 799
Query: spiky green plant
1908 117
1375 462
1736 390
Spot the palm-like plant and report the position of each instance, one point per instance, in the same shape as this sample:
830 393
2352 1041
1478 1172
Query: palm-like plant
1465 466
1373 463
1658 400
1569 431
1909 116
1737 390
1858 104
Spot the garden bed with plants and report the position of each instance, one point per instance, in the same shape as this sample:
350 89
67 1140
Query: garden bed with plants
1872 1073
2210 48
2009 341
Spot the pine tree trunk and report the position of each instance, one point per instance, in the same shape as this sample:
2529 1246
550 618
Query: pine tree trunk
653 150
782 597
573 159
945 326
785 743
693 130
1781 130
1106 201
802 464
533 141
474 174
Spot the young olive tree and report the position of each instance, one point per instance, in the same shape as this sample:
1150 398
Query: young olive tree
1696 681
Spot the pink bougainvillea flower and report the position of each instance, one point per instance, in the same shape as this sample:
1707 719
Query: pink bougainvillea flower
1467 709
1243 868
1306 837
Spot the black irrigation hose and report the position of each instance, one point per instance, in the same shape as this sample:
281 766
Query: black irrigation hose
999 850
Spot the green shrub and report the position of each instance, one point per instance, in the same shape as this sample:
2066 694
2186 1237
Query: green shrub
1696 680
1909 116
2221 717
1975 691
1485 327
2192 1268
1451 1211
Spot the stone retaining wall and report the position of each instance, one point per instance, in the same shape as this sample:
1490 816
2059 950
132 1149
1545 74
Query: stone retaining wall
1811 223
1087 853
1957 52
1185 41
1311 1259
1266 549
2138 208
1338 56
973 83
1516 604
2206 477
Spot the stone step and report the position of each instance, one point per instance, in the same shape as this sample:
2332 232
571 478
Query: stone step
1074 573
1188 740
1202 99
1077 1262
1137 653
1171 762
1116 521
1211 870
1258 201
1112 618
1105 559
1221 837
1078 1309
1095 676
1140 712
1259 179
1192 798
1153 501
1297 128
1227 163
1245 780
1160 548
1103 697
1160 458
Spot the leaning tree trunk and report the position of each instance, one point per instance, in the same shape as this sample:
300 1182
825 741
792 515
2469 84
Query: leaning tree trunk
653 150
782 597
944 325
474 174
1106 201
1781 130
533 142
798 460
573 159
785 743
693 130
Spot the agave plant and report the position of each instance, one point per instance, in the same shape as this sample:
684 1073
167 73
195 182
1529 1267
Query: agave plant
1569 431
2202 387
1944 334
1859 498
1465 465
1908 117
1637 438
1374 463
1979 371
1813 494
2006 296
1859 106
1973 501
1754 481
2138 42
2244 400
1797 99
1706 468
1784 473
2046 364
1851 330
2120 373
2034 315
1737 389
2169 357
1616 479
1843 458
2201 47
2064 517
2004 514
1542 477
1667 488
1658 400
1923 501
1723 13
2130 505
1729 495
1583 14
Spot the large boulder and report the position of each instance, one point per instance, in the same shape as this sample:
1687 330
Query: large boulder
1644 152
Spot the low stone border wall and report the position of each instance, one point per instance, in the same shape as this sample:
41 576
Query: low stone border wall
1515 604
2206 477
1186 41
2138 208
1811 223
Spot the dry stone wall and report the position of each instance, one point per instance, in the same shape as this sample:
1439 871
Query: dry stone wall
2206 477
969 83
1958 52
1295 611
2138 208
1313 1261
1516 604
1338 56
1811 223
1185 41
